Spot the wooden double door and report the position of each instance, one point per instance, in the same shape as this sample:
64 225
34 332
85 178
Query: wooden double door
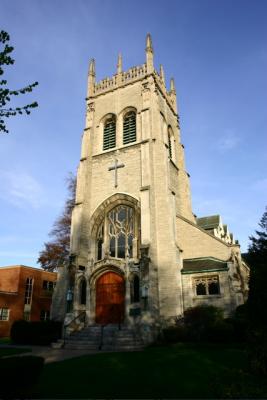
110 299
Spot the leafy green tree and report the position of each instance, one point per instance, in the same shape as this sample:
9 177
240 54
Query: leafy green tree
5 93
56 251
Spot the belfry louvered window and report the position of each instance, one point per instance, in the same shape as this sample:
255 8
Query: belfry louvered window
129 128
109 139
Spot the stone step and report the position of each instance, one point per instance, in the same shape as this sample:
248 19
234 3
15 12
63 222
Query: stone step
126 340
84 336
82 342
111 337
81 347
122 348
79 343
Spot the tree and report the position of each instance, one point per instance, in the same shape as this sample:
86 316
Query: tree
5 93
257 259
56 252
257 299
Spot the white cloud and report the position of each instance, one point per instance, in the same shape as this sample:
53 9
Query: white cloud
20 189
229 141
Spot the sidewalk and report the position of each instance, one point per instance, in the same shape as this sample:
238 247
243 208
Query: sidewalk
50 355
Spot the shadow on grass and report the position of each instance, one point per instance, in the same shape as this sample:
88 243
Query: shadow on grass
5 351
178 371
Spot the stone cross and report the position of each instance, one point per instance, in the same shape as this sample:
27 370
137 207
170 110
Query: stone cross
115 167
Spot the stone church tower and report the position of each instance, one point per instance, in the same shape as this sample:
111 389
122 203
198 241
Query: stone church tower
139 256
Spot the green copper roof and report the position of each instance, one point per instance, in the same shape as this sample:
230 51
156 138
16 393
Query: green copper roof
205 264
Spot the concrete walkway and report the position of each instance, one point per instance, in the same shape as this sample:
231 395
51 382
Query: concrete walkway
50 355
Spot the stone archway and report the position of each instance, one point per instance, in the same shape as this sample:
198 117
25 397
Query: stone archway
110 298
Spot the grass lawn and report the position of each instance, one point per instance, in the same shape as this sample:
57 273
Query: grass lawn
5 351
5 340
178 371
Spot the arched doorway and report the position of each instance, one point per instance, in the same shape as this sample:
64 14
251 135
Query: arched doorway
110 297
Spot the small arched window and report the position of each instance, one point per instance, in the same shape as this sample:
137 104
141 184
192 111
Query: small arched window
109 136
170 139
129 127
135 289
170 145
100 240
83 291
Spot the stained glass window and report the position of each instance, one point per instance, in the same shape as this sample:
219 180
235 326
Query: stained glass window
83 291
100 240
135 289
121 231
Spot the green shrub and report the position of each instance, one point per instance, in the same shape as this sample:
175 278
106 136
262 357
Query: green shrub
241 323
175 334
221 332
18 375
35 332
20 332
257 350
200 320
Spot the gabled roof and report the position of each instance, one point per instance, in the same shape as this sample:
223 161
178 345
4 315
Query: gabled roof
203 264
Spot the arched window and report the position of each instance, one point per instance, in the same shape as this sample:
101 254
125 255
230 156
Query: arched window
100 240
121 231
83 291
135 289
109 137
129 127
170 139
170 145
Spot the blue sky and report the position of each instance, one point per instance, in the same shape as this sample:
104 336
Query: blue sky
217 53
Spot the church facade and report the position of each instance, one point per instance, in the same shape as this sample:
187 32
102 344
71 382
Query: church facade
139 256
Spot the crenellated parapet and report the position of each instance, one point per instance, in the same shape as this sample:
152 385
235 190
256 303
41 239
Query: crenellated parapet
132 75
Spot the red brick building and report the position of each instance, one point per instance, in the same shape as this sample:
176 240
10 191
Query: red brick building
25 293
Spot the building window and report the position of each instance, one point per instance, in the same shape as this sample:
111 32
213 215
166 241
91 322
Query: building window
83 291
207 286
135 289
109 137
44 315
100 240
129 127
4 314
170 145
170 142
48 285
28 291
26 315
121 231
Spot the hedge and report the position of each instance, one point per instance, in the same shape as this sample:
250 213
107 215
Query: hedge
35 332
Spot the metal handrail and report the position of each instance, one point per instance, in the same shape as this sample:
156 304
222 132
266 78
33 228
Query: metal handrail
101 337
74 319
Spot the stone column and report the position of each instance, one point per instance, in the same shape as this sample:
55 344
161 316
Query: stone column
127 320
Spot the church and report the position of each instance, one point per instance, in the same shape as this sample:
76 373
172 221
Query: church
139 256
